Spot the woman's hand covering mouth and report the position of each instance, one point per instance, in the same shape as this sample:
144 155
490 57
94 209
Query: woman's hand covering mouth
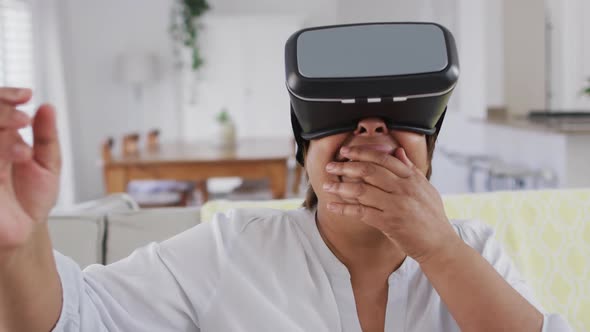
382 147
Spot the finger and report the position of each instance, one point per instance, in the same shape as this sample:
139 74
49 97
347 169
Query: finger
364 193
12 118
10 145
380 158
370 173
21 151
369 215
12 149
362 212
45 139
400 153
15 96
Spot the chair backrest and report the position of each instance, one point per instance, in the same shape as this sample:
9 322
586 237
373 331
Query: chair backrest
547 234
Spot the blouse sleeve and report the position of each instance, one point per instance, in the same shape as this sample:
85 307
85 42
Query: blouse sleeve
161 287
135 294
481 238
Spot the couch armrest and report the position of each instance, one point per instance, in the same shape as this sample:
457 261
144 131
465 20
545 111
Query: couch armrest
79 231
127 231
79 237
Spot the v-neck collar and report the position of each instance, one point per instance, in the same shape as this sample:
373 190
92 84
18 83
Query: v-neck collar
398 281
334 267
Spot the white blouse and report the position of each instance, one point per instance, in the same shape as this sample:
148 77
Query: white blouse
256 270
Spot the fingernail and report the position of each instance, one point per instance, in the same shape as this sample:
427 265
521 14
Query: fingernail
327 186
345 150
330 166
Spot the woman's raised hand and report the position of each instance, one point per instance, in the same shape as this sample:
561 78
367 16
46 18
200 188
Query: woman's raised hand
29 176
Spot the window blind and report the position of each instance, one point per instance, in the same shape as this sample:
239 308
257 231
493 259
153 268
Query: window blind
16 49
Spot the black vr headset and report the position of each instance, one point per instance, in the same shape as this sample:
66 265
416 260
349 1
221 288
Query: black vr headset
403 73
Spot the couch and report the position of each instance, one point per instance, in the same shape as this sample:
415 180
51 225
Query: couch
546 232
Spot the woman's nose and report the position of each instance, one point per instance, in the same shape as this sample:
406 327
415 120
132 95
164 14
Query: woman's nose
370 127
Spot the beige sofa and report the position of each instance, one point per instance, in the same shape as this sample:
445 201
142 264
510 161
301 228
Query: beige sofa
547 233
106 230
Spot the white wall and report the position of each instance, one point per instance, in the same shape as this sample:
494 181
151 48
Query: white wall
246 76
244 73
570 52
314 12
460 133
95 33
524 51
51 88
494 44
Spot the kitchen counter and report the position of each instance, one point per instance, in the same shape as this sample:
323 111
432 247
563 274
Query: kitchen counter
556 143
568 126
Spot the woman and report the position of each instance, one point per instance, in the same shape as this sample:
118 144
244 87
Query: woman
372 250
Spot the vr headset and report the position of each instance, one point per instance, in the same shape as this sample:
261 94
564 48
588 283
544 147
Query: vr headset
403 73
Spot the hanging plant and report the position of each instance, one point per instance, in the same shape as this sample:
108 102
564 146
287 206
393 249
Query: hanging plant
184 26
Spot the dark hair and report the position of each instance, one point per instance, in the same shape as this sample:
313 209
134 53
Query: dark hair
311 199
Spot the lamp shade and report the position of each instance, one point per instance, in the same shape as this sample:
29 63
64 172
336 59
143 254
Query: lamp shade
138 68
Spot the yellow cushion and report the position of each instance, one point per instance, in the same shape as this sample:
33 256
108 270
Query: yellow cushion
547 233
210 208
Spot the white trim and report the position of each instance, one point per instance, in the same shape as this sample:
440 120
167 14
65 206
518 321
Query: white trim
569 53
351 101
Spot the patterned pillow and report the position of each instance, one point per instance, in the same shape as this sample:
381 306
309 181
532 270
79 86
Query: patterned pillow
547 233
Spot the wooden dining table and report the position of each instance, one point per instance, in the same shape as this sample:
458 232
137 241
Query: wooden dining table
251 158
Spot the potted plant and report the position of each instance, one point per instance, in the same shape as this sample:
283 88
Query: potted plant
227 129
586 91
184 27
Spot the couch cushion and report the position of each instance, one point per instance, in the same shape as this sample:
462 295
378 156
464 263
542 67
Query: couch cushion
78 236
547 233
209 209
103 205
127 231
78 231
